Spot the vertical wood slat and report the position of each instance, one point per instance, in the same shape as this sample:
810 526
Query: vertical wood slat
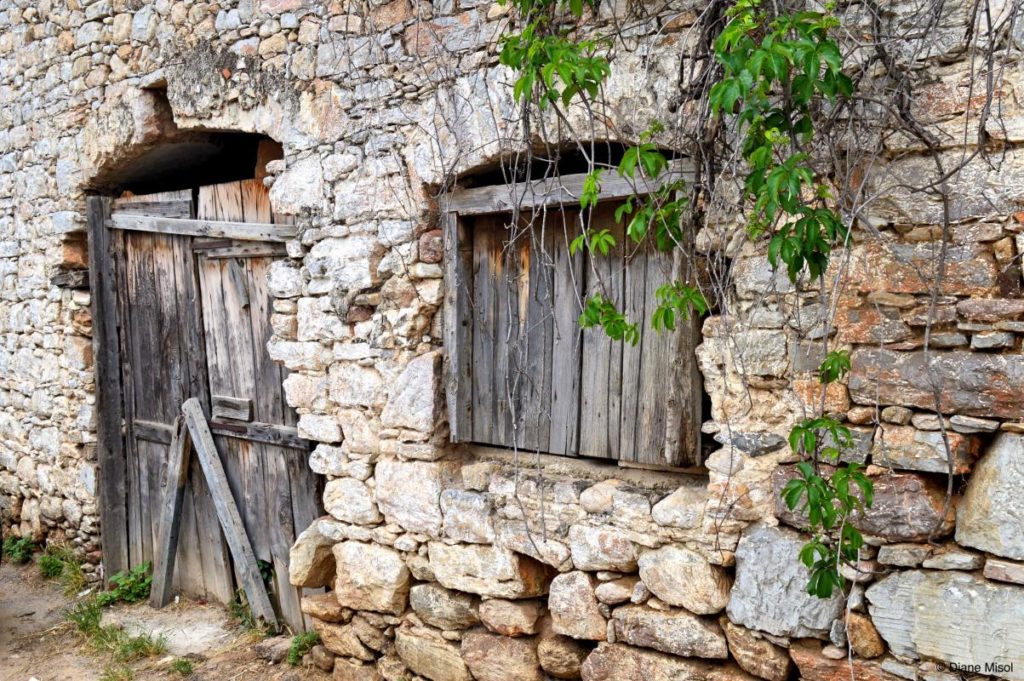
458 326
634 357
110 444
536 334
683 403
227 512
654 370
567 339
170 511
506 380
484 341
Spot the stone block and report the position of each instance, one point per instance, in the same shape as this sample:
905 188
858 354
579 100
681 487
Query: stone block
325 607
906 448
1004 571
488 570
615 662
310 561
426 653
574 608
370 577
560 656
414 400
755 654
443 608
683 509
814 666
770 591
467 516
989 517
409 492
351 501
974 384
601 548
341 639
670 630
684 578
971 269
913 612
492 657
511 618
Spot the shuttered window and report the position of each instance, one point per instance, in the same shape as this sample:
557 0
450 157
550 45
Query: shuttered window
521 373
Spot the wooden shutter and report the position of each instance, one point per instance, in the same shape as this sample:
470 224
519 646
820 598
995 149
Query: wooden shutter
521 373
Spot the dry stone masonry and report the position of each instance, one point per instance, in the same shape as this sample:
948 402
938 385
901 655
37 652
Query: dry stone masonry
457 563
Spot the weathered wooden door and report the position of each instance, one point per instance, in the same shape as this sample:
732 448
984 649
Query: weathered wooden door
193 313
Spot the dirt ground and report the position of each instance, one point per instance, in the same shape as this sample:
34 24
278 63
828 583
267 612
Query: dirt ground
36 643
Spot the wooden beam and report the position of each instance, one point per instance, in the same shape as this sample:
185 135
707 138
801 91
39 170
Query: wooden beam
171 208
227 513
243 231
235 408
458 327
170 516
556 191
110 452
257 431
77 279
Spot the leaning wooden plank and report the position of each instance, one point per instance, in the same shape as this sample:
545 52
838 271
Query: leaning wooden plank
227 512
243 231
110 445
556 191
170 516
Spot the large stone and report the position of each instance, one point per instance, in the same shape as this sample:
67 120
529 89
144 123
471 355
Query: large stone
467 516
414 401
863 636
353 670
684 508
560 656
574 607
409 492
770 592
991 514
683 577
755 654
341 639
951 616
907 507
324 607
616 662
443 608
908 448
814 666
488 570
350 501
310 561
347 263
976 384
601 548
425 652
670 631
511 618
492 657
906 268
370 577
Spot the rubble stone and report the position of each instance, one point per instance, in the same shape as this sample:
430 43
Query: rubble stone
989 516
682 577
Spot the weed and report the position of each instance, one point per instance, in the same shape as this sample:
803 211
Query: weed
118 673
50 566
182 667
129 648
301 645
242 613
130 587
18 549
86 616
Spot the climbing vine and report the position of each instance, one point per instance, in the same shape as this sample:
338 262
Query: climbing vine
779 73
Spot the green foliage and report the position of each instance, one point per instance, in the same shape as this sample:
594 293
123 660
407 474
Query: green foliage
301 645
50 566
676 300
554 68
129 587
63 563
241 613
117 673
182 667
19 549
778 71
86 616
601 312
828 500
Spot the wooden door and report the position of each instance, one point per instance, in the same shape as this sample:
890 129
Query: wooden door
194 319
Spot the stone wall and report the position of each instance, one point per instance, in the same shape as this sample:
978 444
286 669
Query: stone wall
454 562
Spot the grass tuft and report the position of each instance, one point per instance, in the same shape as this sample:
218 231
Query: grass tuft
182 667
301 645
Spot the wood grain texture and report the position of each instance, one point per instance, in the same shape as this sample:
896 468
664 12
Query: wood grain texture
458 326
243 231
227 512
170 515
110 450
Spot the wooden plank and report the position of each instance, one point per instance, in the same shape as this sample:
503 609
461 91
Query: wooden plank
567 341
506 377
242 231
76 279
234 408
484 341
556 191
170 515
684 400
174 208
266 433
253 249
537 333
634 357
458 326
110 445
654 371
227 512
